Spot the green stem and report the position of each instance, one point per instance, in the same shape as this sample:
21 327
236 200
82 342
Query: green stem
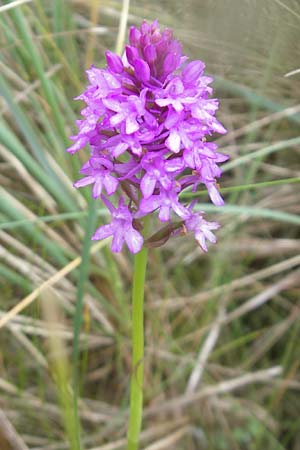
137 375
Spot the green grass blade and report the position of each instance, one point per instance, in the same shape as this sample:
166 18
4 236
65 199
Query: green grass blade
244 187
253 97
261 153
17 280
53 186
36 236
25 34
78 318
251 212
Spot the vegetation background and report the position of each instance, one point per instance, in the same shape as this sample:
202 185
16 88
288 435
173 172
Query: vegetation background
222 329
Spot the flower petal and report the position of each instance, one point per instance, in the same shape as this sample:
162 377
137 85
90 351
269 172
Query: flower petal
131 125
173 141
150 204
214 194
164 213
118 240
103 232
148 185
110 184
97 188
84 182
134 240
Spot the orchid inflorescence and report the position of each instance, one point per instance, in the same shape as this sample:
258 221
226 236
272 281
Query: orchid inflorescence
146 119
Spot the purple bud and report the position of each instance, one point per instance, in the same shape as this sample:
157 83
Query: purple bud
131 54
193 71
134 36
114 62
170 63
146 28
141 70
150 53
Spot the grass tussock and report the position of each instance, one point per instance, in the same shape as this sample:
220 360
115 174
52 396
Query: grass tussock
222 329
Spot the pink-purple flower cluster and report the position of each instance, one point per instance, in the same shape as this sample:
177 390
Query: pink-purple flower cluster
146 119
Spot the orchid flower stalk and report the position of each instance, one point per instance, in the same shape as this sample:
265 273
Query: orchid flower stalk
148 120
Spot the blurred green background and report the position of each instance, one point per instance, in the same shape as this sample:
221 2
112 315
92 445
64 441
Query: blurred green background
222 329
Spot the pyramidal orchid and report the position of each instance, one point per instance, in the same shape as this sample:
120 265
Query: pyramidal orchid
147 118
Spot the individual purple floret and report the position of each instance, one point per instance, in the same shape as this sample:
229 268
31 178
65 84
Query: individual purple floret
120 228
147 118
201 229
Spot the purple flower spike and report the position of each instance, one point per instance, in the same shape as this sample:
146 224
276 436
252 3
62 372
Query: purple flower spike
147 119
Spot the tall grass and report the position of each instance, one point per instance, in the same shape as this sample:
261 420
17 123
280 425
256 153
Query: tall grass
222 330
